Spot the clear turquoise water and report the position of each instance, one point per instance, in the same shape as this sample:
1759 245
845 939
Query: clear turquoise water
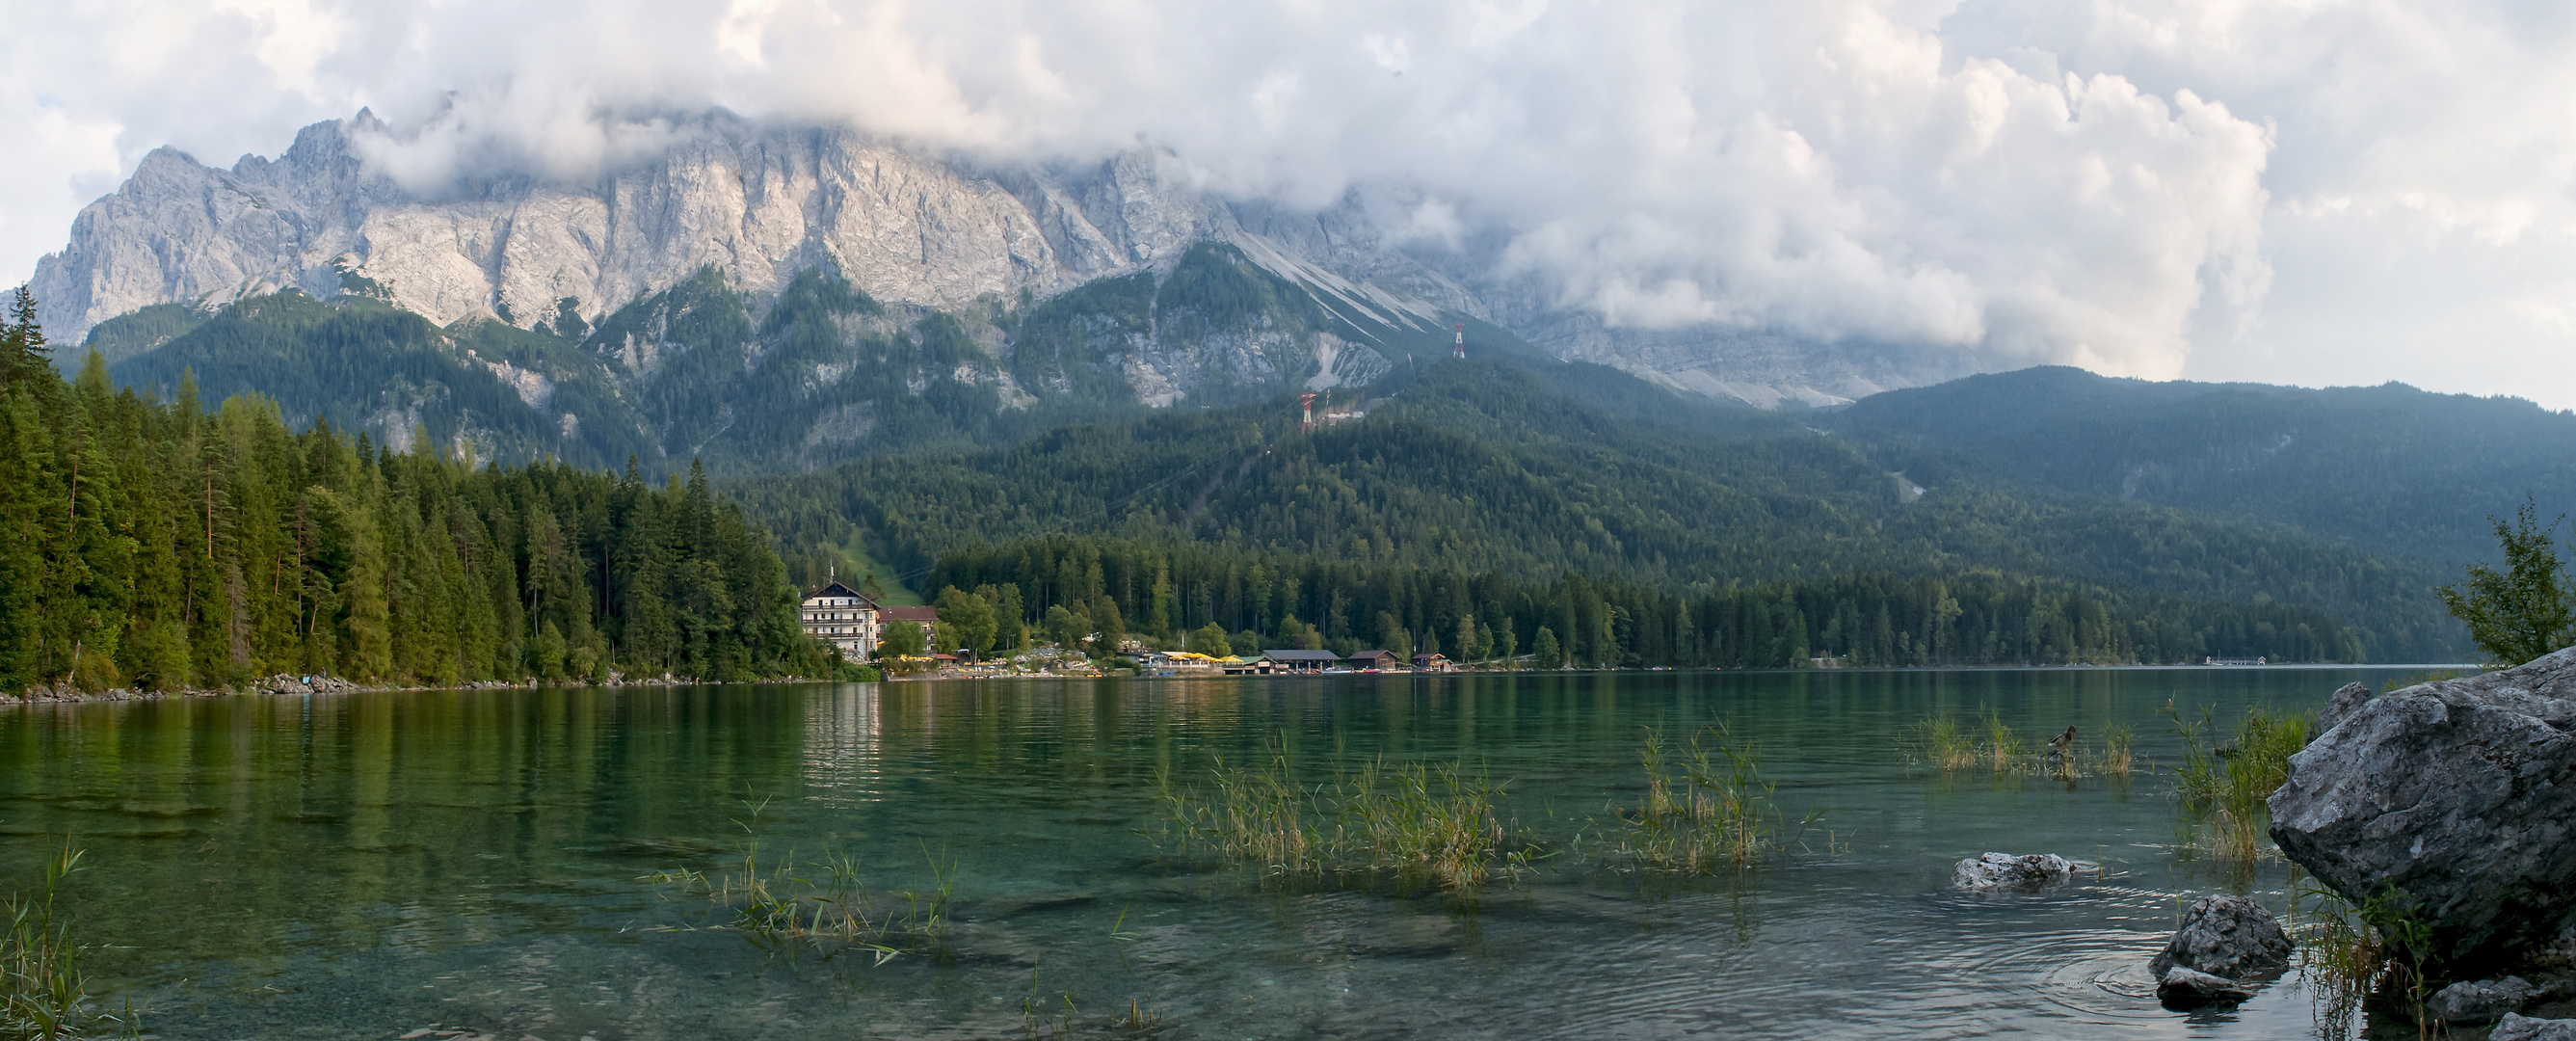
372 865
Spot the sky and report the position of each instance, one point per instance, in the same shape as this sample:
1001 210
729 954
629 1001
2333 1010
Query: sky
2320 192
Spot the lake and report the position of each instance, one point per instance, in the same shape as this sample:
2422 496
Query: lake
524 863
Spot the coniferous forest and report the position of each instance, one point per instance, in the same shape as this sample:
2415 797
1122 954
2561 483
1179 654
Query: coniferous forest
160 544
1505 508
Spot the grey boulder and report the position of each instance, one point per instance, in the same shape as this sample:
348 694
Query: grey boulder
1999 870
2523 1028
2480 1001
2346 698
2453 803
2228 936
2186 988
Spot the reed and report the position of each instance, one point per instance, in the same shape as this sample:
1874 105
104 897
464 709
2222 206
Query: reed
43 993
1937 740
1699 816
2225 790
2002 748
2340 955
2117 759
1415 822
790 905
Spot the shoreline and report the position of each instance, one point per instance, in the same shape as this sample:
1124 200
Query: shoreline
293 686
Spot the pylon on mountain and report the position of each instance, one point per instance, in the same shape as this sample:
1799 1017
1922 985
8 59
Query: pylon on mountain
1308 404
1460 350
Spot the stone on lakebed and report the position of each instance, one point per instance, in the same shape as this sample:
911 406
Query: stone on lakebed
1998 870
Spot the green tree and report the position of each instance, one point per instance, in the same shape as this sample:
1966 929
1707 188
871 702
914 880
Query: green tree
2522 612
965 620
1550 654
903 639
1210 640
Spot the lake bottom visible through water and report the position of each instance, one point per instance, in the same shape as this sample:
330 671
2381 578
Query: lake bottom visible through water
539 863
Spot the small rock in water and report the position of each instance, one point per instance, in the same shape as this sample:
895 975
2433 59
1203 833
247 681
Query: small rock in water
2187 988
2519 1028
2228 936
2480 1001
2003 869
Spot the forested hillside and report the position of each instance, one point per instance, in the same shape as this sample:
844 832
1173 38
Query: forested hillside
151 542
816 375
2186 519
1065 587
1494 468
2390 468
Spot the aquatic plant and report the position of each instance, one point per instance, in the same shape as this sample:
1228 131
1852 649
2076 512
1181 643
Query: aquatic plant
1936 739
790 905
2227 788
2003 748
2196 777
1413 821
43 993
2348 953
1700 816
2116 759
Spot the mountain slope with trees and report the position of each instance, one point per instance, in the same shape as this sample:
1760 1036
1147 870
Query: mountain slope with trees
1494 467
2390 468
152 542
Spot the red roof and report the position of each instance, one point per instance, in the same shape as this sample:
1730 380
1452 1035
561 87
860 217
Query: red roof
924 614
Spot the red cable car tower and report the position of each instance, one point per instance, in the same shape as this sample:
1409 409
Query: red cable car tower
1308 404
1460 349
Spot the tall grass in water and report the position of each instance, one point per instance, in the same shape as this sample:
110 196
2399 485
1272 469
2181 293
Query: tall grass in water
2003 748
1436 824
42 992
1700 816
1938 740
2347 953
2226 788
2116 760
790 905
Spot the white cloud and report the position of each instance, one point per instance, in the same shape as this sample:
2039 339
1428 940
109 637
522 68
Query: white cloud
2309 190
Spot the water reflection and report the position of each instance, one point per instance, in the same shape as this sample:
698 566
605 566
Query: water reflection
375 863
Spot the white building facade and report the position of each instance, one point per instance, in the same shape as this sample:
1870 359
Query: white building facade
844 618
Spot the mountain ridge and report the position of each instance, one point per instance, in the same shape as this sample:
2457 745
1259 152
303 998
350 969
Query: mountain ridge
766 202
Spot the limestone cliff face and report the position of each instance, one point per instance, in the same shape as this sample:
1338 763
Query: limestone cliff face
763 203
758 203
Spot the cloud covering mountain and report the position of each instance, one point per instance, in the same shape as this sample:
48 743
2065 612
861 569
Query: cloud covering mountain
2147 188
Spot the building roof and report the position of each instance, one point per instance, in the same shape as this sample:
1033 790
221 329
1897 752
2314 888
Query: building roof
1301 656
838 589
924 614
1372 655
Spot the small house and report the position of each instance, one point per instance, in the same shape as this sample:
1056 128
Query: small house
1380 660
1301 661
1432 663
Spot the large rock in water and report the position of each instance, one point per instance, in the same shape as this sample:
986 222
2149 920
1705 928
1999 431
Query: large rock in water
2453 802
2519 1028
2228 936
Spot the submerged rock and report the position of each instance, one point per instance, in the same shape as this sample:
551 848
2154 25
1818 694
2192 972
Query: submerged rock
1994 870
2188 988
2227 936
2452 803
2480 1001
2520 1028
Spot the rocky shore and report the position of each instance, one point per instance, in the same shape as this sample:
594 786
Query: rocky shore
297 686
